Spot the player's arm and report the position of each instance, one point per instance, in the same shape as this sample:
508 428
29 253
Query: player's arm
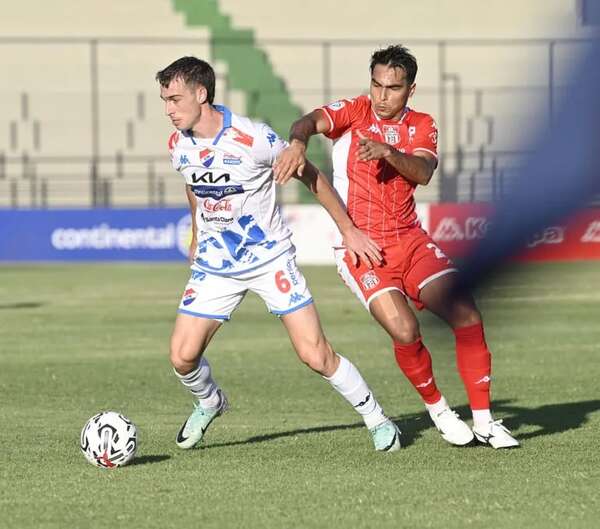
359 245
293 159
417 167
193 202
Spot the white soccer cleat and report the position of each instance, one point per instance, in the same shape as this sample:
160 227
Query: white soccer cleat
386 437
496 435
453 429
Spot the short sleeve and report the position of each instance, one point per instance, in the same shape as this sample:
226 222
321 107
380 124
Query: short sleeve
267 145
343 114
171 146
424 135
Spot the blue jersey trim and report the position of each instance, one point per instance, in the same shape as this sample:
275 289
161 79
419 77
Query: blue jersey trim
293 309
200 315
226 121
189 134
210 271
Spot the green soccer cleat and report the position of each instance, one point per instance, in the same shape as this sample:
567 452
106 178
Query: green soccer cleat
386 437
197 423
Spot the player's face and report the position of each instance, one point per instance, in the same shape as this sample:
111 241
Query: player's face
183 104
390 91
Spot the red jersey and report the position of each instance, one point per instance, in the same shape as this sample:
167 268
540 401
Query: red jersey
378 199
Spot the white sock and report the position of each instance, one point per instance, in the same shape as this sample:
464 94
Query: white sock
437 407
201 384
482 419
349 383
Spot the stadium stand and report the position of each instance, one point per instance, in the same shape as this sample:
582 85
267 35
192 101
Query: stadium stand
272 63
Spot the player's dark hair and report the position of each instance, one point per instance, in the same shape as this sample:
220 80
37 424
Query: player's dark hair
193 71
396 56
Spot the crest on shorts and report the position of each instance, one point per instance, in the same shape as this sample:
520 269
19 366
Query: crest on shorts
369 280
189 296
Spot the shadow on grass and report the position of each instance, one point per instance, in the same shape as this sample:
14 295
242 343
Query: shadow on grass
551 419
148 460
22 305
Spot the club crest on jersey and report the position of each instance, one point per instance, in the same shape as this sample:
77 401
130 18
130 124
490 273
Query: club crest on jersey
391 133
189 296
369 280
207 157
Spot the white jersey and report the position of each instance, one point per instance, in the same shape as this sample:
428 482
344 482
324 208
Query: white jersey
238 220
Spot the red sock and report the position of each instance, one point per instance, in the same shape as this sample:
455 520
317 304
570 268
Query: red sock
474 363
415 362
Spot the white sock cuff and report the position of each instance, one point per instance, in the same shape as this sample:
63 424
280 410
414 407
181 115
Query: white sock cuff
195 374
341 373
437 407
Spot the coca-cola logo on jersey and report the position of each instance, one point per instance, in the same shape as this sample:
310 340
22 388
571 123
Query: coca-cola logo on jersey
219 205
451 229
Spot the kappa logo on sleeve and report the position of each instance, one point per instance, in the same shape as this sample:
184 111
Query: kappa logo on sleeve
272 138
433 136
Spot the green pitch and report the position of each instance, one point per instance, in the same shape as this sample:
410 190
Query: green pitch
75 340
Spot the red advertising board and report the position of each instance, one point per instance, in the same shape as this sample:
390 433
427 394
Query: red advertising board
457 227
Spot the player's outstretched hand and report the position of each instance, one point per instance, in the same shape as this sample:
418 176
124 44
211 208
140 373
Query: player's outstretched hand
360 247
290 162
370 149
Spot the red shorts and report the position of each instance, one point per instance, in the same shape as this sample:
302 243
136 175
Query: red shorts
409 265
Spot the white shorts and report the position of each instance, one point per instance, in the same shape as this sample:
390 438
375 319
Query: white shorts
279 283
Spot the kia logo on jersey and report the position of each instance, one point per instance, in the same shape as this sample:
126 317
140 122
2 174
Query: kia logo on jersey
391 133
207 157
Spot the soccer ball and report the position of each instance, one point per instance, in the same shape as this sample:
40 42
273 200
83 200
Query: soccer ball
109 440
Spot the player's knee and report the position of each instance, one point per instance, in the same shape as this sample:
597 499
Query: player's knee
465 316
318 355
406 332
182 358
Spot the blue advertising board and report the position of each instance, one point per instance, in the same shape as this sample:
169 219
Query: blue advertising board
161 234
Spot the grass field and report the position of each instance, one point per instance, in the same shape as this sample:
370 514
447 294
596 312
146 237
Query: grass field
291 453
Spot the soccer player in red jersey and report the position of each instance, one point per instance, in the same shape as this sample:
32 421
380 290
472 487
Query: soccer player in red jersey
382 150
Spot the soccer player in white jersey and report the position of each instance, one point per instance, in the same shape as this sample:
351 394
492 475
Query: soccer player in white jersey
240 243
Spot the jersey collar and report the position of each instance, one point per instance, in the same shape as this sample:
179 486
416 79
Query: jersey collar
399 121
226 125
226 121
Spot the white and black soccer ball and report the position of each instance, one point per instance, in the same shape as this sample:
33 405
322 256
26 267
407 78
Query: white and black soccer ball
109 440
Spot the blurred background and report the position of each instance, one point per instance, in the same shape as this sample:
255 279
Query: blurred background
82 125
